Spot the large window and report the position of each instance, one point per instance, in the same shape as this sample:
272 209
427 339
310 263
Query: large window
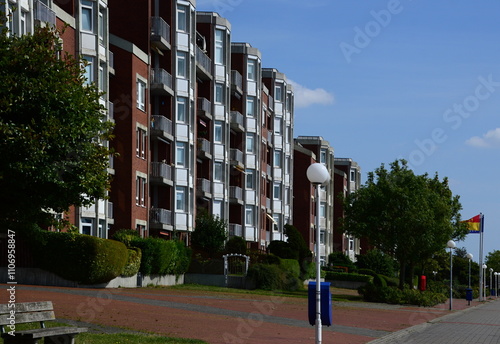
250 179
182 64
252 70
140 191
181 154
250 143
249 215
277 159
182 18
89 70
219 94
101 28
277 191
278 93
251 106
219 46
87 22
218 171
218 132
141 95
181 198
141 141
322 156
181 109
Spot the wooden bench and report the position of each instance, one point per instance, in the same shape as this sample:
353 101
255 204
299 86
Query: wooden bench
34 312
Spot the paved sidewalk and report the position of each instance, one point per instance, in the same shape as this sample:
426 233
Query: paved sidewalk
480 324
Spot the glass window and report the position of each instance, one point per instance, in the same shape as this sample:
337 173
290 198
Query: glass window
252 70
101 27
101 78
181 109
322 156
140 191
277 159
218 172
180 198
277 191
250 143
141 95
353 175
24 28
278 126
89 70
249 215
219 46
182 64
251 106
278 93
180 156
219 94
277 222
141 141
322 209
218 133
87 15
250 179
182 18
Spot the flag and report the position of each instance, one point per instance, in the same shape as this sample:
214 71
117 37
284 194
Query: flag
474 224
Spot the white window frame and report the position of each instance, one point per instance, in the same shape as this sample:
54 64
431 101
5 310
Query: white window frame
181 154
141 94
140 191
277 187
277 159
87 6
251 106
101 27
218 132
181 199
219 171
278 92
250 179
182 13
141 143
219 94
89 69
252 70
250 143
182 109
249 215
220 38
182 64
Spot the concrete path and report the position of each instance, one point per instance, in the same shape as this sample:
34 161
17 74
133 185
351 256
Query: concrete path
475 325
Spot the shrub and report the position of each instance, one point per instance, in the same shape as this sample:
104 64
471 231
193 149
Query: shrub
340 259
392 295
282 249
377 261
80 258
133 262
343 276
273 277
236 245
291 266
126 236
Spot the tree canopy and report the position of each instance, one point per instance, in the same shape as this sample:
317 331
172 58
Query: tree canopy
408 216
210 233
493 260
52 129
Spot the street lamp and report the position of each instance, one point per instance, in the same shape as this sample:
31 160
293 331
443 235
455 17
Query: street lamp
496 283
491 281
469 256
451 245
317 175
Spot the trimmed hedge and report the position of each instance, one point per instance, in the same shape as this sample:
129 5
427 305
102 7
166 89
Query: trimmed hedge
273 277
343 276
392 295
81 258
133 262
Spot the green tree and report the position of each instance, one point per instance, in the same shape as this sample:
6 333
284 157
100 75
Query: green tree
408 216
210 234
493 260
51 131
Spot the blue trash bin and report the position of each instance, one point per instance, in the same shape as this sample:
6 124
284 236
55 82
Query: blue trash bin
468 294
326 303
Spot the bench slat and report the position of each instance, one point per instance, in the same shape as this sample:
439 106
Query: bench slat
22 318
27 307
47 332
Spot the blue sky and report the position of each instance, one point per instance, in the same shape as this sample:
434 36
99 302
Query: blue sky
382 80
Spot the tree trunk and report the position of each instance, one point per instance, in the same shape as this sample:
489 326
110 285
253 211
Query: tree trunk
402 270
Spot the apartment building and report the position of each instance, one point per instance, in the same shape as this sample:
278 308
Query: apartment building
309 149
347 179
85 34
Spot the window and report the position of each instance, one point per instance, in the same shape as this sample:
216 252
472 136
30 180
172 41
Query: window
141 141
219 94
251 106
141 95
101 28
278 126
322 209
89 70
180 154
181 198
278 93
277 191
252 70
249 215
86 226
250 179
277 222
102 78
322 156
250 143
353 175
24 28
218 132
87 16
182 64
181 109
277 159
140 191
218 172
182 18
219 46
322 236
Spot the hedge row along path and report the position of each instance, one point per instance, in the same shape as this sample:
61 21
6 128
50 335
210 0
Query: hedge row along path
221 318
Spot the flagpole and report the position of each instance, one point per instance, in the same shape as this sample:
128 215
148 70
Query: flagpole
481 281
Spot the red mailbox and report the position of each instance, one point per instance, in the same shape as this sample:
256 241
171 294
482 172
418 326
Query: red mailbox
422 283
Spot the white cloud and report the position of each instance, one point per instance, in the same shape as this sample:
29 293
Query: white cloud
305 97
490 139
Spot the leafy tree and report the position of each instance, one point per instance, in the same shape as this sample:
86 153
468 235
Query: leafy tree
377 261
236 245
210 234
51 131
408 216
493 260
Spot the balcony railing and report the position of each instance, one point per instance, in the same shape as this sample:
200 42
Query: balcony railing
236 156
160 33
44 14
204 107
161 123
161 216
204 61
161 80
204 146
161 170
236 192
203 185
236 81
236 119
235 229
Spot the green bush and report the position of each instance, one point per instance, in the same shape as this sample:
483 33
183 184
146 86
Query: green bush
126 236
392 295
236 245
133 262
344 276
273 277
340 259
283 250
80 258
291 266
377 261
161 256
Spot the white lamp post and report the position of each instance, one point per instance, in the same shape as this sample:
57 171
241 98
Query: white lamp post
491 281
451 245
317 175
496 283
469 256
